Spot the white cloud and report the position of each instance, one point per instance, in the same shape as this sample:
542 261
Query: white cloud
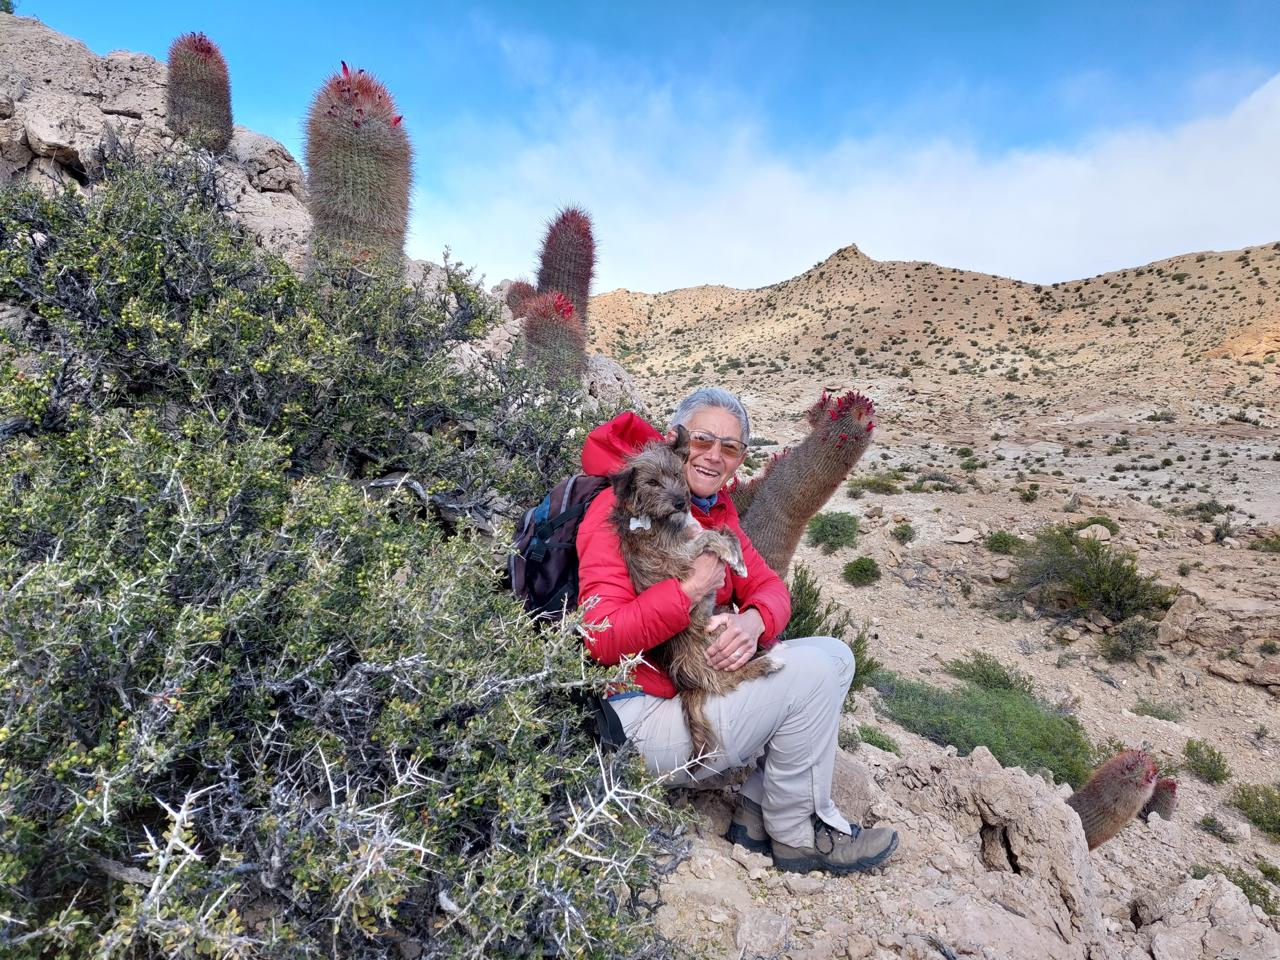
685 191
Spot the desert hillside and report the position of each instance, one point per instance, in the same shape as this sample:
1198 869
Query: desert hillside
1146 397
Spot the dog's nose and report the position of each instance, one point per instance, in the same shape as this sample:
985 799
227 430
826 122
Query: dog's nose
680 503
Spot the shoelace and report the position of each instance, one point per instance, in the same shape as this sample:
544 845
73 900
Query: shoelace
823 831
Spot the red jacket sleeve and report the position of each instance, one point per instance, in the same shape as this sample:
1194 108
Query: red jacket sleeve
635 622
762 589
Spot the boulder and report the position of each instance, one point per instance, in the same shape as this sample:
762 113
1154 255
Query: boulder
1207 919
64 107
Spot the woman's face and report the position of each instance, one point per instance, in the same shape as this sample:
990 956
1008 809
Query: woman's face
708 471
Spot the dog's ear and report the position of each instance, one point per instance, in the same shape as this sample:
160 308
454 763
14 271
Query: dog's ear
680 443
623 482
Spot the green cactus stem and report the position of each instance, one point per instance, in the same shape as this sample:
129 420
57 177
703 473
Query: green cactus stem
198 94
555 339
1115 793
776 505
359 164
568 259
1164 800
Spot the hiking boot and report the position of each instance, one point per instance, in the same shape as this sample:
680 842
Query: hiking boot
747 826
837 852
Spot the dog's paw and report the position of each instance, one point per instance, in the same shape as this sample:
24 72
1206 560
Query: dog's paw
772 665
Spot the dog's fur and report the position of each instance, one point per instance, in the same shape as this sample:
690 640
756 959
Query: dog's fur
653 485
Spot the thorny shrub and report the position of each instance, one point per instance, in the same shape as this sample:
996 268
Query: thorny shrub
261 694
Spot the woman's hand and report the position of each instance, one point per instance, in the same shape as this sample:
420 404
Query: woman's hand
738 641
707 576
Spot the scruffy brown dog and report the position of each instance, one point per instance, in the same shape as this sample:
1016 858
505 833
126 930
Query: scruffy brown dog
661 539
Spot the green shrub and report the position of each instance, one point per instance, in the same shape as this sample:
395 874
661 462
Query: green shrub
987 672
849 739
1206 761
1217 829
1001 541
1269 870
1158 709
1266 544
875 481
861 572
814 616
1128 639
1014 726
1206 510
1261 804
1112 527
1065 573
878 738
1254 890
903 533
258 661
832 531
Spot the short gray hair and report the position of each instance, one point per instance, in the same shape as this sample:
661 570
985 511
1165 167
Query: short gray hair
712 397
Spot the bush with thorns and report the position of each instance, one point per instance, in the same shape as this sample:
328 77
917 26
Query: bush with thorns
261 692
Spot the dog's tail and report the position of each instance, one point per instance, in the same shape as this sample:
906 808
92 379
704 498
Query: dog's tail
695 717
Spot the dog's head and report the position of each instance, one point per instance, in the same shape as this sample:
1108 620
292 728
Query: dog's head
652 484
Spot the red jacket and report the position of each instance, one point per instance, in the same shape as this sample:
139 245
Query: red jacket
638 622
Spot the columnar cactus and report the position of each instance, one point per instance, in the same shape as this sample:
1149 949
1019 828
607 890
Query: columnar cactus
568 259
776 505
554 337
358 169
517 294
198 96
1164 800
1114 794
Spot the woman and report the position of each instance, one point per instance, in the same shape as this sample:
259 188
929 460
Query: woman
789 719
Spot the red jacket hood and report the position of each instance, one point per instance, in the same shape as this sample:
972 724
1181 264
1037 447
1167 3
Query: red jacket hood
611 444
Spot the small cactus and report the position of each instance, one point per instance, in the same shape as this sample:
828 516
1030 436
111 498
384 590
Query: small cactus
517 294
1113 796
568 259
198 94
776 505
358 169
554 337
1164 800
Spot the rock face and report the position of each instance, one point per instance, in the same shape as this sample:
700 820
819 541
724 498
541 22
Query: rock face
61 105
992 864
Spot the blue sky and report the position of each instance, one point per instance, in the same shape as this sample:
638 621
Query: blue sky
742 142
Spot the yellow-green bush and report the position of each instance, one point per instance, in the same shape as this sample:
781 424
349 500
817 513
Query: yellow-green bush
250 704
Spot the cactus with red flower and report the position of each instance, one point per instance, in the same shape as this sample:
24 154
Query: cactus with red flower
777 504
1113 795
567 262
359 169
198 93
555 339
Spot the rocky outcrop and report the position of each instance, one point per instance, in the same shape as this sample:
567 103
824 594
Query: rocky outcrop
992 864
62 106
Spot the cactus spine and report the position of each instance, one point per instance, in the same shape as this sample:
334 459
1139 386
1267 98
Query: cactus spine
358 169
776 505
198 95
568 259
1164 800
1114 794
554 337
517 294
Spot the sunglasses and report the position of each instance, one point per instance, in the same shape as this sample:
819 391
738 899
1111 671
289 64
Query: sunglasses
700 442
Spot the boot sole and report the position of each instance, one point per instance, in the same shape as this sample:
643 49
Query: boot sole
738 834
806 864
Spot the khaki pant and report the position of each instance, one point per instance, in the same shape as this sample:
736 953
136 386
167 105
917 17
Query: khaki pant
789 719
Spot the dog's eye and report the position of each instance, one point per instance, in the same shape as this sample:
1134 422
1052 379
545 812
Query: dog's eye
652 483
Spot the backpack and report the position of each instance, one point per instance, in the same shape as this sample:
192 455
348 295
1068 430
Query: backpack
543 572
543 569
